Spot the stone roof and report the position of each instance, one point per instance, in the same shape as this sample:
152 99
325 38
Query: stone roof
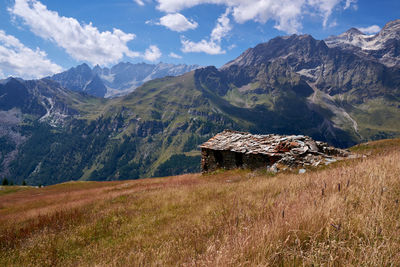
271 144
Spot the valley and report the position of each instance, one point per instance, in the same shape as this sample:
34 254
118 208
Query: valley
54 132
199 133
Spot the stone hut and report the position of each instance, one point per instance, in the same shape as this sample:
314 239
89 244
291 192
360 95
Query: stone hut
232 149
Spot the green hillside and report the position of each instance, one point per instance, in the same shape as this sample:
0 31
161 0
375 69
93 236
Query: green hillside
156 130
289 85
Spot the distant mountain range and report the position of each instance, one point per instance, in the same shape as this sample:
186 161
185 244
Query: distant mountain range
339 90
119 80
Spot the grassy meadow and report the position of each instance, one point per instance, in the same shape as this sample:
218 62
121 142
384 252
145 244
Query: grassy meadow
346 213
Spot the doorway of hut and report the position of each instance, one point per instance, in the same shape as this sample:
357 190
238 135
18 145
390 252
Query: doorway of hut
239 160
218 158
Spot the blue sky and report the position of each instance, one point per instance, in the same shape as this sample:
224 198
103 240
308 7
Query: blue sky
41 37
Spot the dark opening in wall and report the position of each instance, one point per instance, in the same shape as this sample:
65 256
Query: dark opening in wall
239 159
205 167
218 158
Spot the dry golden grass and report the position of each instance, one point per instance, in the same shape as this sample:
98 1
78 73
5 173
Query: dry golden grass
346 214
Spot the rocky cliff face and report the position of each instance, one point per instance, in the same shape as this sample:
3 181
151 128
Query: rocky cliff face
332 70
118 80
383 47
81 79
44 100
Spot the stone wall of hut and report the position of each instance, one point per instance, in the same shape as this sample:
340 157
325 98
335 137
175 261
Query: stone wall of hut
212 160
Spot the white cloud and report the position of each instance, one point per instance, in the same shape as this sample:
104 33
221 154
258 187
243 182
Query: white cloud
139 2
212 46
232 46
177 22
325 7
82 42
350 3
371 29
222 28
19 60
173 55
153 53
204 46
286 13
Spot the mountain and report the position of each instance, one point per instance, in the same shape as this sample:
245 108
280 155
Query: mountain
332 71
119 80
383 47
77 136
289 85
28 107
349 97
81 79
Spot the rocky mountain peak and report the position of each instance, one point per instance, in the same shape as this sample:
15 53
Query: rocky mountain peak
299 46
118 80
12 81
97 69
356 38
83 68
390 31
392 25
382 47
353 31
5 81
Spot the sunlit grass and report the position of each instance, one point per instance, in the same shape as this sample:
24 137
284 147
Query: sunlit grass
4 190
346 214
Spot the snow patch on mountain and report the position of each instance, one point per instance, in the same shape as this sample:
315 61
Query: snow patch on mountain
383 46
